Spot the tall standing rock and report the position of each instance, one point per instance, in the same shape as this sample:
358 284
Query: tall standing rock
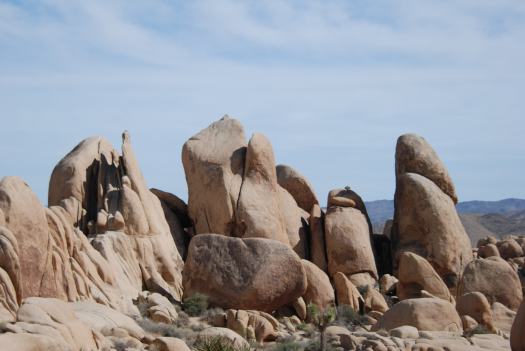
426 223
258 212
415 155
298 186
348 245
317 238
213 161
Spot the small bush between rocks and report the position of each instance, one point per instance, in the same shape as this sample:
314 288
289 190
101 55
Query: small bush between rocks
217 344
289 345
169 330
195 305
348 317
479 329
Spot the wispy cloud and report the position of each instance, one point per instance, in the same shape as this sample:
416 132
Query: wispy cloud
332 83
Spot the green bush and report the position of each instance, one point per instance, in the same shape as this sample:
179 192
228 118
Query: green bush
347 316
195 305
289 345
169 330
217 344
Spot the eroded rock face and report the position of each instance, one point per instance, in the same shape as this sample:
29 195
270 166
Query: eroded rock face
494 278
476 305
298 186
319 291
416 274
517 337
258 213
317 238
424 314
347 293
348 246
213 162
415 155
426 223
250 273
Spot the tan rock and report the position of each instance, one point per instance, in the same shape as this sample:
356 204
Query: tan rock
157 307
415 155
347 293
342 336
476 305
388 284
55 319
317 238
509 248
168 344
227 335
300 308
488 251
468 322
213 161
416 274
494 278
319 291
250 273
424 314
425 223
517 335
404 332
348 246
25 219
243 321
32 342
502 317
374 301
295 222
175 204
298 186
258 213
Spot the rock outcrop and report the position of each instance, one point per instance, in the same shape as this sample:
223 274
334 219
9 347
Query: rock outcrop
424 314
252 273
495 279
348 246
319 291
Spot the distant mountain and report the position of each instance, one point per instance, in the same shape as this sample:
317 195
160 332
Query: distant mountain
480 218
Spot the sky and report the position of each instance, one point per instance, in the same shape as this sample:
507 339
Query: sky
331 83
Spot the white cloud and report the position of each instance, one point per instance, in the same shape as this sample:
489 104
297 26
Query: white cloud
332 83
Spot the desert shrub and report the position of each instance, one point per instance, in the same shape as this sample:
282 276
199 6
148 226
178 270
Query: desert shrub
182 320
217 344
163 329
348 317
195 305
289 345
479 329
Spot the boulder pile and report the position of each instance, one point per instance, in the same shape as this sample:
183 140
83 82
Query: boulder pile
252 257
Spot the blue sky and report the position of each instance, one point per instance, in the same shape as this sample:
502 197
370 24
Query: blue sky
331 83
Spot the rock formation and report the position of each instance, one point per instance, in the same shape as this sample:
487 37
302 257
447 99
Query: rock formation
425 219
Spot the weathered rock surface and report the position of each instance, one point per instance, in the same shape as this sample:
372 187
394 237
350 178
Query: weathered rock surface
495 279
258 213
213 161
424 314
347 293
348 244
415 155
298 186
416 274
517 335
509 248
229 336
426 223
250 273
295 222
319 291
476 305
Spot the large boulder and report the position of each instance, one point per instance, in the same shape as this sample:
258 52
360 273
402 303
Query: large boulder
494 278
348 244
476 305
295 222
415 155
258 213
416 274
298 186
509 248
424 314
319 291
250 273
426 223
213 161
26 234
